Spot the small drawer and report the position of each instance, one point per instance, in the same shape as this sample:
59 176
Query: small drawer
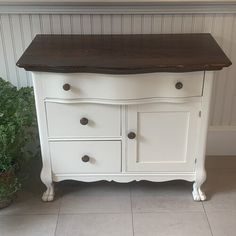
120 87
83 120
77 157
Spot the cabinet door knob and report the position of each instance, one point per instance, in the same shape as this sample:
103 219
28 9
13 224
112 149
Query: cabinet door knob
131 135
179 85
66 87
83 121
85 158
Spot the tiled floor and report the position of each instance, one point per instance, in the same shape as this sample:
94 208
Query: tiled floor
140 209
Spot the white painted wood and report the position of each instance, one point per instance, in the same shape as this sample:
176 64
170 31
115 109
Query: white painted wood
46 173
86 24
126 24
104 157
46 24
18 47
147 24
136 21
10 57
26 40
124 102
157 24
111 1
198 23
228 102
202 138
56 24
177 23
116 24
85 139
221 141
171 128
106 24
75 24
3 60
119 8
187 22
65 22
166 137
64 120
126 177
217 30
101 86
233 111
36 25
167 24
222 76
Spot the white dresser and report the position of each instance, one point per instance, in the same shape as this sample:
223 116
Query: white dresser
125 124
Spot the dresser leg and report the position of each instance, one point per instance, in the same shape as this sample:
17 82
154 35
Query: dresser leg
48 195
198 194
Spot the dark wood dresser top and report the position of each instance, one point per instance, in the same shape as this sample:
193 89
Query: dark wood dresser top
123 54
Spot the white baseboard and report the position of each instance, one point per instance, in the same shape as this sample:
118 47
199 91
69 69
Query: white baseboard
221 141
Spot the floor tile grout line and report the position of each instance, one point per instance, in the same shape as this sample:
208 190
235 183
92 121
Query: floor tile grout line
55 231
131 206
58 214
61 199
95 213
207 219
122 212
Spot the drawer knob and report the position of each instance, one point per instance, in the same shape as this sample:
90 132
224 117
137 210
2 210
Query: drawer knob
178 85
85 158
66 87
131 135
83 121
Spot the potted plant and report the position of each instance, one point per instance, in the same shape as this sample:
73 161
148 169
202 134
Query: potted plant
17 125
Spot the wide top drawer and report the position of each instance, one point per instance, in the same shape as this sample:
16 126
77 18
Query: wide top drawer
101 86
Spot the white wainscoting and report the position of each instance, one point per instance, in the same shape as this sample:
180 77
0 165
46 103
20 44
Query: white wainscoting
221 141
17 30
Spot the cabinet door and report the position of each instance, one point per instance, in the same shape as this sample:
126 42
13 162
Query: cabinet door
166 137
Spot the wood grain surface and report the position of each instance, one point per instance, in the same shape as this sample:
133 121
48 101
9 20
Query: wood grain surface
123 54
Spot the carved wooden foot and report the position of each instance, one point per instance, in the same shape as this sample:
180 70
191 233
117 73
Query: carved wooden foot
48 195
198 194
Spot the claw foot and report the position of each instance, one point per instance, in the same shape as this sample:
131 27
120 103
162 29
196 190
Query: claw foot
198 194
48 195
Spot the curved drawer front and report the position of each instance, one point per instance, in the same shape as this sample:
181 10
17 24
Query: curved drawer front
83 120
99 86
77 157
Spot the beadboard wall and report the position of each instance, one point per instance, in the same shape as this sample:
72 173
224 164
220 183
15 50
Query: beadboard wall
17 31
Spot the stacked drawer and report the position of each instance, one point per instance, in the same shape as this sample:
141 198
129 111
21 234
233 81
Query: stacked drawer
80 137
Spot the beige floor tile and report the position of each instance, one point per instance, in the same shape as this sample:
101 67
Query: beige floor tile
159 197
102 197
31 203
34 225
171 224
95 225
222 223
220 188
221 162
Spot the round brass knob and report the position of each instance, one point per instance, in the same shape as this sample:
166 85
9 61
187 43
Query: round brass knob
131 135
85 158
66 87
178 85
83 121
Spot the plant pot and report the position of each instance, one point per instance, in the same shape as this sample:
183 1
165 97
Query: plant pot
5 203
8 183
7 177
